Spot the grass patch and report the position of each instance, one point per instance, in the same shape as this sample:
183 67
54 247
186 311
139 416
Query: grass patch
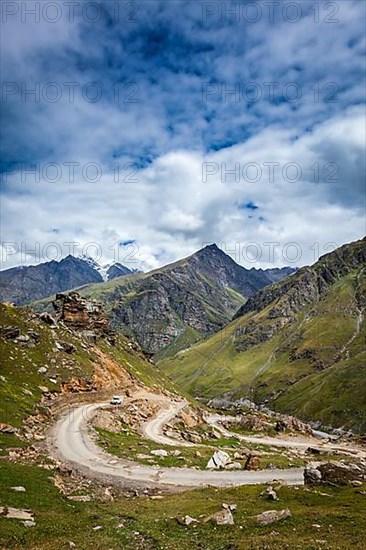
150 524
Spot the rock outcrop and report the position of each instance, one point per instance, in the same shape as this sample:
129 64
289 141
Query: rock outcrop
335 473
86 316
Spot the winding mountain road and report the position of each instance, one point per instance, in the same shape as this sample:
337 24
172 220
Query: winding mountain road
72 442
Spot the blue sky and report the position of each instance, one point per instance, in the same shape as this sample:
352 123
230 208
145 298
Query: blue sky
183 123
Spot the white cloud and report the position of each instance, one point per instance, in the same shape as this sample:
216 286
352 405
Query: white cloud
171 212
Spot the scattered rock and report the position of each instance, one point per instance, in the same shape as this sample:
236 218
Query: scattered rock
215 434
356 483
312 476
29 523
67 347
23 339
48 319
107 420
187 520
176 452
218 460
188 419
142 456
192 437
9 332
270 516
254 422
18 489
42 370
222 517
76 385
7 429
80 498
334 473
15 513
313 450
270 493
252 463
160 452
97 528
231 507
233 466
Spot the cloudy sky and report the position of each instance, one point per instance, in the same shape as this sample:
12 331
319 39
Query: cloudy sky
141 131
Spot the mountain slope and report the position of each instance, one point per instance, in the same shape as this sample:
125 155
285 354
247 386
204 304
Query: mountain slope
40 362
170 308
298 345
24 284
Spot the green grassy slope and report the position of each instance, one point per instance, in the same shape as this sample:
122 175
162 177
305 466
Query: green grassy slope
20 379
334 515
312 366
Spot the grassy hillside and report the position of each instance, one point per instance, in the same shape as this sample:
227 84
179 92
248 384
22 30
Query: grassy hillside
308 361
173 307
21 381
119 518
139 522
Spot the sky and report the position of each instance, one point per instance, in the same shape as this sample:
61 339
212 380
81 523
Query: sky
141 131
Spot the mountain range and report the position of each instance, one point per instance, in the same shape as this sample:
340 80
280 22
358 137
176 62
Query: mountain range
297 346
164 310
23 284
292 340
170 308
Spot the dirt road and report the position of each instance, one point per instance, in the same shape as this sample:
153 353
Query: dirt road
72 442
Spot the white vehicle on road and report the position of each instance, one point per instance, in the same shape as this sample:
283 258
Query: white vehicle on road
116 400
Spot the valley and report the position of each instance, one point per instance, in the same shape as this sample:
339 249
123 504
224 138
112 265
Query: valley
69 458
291 346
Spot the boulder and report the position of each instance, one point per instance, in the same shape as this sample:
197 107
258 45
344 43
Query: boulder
7 429
187 520
269 493
252 463
15 513
222 517
271 516
160 452
218 460
9 332
193 438
188 419
48 319
334 473
67 347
